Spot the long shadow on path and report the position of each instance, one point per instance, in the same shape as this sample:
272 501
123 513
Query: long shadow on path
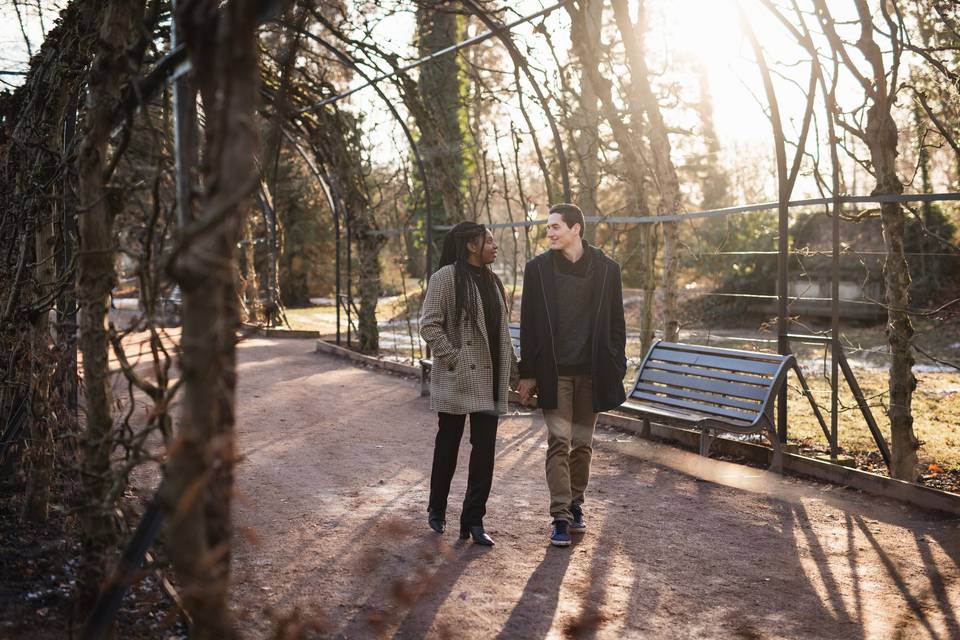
533 614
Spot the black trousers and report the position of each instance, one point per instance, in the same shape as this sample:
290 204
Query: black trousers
483 440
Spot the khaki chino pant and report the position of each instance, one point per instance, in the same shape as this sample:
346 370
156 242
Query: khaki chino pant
570 430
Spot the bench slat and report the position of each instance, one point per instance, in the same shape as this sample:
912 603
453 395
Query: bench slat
723 401
649 408
716 374
693 406
703 384
720 351
678 415
716 362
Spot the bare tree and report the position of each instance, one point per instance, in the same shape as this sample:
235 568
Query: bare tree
336 141
878 131
665 173
586 24
35 164
198 484
113 66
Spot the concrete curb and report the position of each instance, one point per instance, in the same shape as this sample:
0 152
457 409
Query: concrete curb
263 332
388 365
913 494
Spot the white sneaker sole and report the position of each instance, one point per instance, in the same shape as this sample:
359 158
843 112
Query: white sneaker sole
560 543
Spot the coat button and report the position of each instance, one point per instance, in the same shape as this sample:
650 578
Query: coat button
473 366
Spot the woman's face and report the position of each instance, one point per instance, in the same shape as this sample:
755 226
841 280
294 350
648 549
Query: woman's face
485 248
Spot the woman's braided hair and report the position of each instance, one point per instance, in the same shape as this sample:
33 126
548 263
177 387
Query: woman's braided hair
455 252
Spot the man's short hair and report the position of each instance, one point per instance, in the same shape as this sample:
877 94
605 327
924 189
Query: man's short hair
572 214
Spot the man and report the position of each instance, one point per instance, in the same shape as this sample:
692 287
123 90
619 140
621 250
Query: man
572 340
464 321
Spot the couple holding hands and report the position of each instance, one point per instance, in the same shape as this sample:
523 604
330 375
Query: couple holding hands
572 340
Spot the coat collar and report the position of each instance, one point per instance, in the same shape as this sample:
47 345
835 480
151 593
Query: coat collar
549 281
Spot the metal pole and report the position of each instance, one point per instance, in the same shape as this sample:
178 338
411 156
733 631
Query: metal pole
783 342
428 234
336 235
835 348
346 222
864 407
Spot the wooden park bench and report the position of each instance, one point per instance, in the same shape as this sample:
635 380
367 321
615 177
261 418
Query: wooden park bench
426 364
712 390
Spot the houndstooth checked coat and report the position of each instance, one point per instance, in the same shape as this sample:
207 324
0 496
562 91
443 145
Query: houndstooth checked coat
461 380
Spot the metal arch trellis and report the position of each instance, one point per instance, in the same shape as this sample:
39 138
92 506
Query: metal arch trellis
174 67
428 223
496 30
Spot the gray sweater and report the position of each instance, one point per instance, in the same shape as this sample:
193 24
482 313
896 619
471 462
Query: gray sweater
575 310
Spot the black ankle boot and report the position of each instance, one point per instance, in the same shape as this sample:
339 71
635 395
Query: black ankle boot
436 520
478 534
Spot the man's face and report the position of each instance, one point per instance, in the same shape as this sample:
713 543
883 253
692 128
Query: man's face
488 250
559 235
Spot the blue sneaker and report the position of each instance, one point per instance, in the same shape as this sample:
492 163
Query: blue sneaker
578 525
559 535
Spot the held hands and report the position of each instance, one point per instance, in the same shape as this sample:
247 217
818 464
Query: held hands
526 389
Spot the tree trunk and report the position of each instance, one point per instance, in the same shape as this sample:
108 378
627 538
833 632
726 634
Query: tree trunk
665 173
250 283
368 250
274 312
881 136
646 239
438 27
714 182
627 138
110 70
199 481
586 37
40 451
434 102
340 154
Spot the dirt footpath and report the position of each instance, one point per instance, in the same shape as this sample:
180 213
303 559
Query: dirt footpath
331 518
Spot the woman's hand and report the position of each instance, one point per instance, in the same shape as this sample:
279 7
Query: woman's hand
526 389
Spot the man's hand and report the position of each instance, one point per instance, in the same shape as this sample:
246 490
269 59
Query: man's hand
526 389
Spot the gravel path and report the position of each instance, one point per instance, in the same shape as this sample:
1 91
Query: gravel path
331 519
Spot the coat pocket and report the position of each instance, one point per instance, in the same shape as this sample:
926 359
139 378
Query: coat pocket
450 362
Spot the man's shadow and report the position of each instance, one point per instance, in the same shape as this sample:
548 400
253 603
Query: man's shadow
533 614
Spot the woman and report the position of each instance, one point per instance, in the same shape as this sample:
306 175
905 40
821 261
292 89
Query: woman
465 323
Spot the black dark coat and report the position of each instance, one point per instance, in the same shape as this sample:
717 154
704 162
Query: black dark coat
538 324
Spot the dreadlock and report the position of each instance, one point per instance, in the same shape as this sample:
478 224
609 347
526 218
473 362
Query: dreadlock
455 252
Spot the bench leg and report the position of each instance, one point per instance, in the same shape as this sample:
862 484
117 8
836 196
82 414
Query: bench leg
776 463
424 380
645 428
705 441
